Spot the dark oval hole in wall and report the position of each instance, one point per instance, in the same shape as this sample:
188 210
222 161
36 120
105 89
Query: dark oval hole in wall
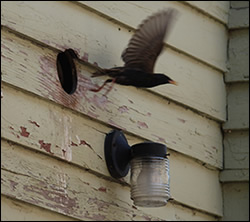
67 71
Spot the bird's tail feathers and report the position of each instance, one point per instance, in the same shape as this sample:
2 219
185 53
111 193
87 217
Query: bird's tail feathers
99 72
110 72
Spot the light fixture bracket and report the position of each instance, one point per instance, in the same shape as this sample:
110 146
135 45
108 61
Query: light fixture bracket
117 154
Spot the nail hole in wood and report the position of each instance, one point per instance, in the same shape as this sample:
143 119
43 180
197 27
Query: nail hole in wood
67 71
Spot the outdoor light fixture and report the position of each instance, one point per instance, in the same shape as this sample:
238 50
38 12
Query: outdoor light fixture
149 168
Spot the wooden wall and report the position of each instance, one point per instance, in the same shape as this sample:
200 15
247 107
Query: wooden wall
235 176
53 164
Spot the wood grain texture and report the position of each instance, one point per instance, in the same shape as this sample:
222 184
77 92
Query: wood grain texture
98 40
35 71
69 190
58 132
15 210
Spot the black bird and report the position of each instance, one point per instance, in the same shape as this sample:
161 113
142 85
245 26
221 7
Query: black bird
141 54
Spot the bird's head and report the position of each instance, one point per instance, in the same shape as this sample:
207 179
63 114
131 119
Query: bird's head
164 79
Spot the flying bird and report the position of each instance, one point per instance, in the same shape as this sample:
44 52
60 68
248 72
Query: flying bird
141 54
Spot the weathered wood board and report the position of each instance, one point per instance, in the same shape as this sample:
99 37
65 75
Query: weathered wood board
22 211
69 190
128 109
79 140
200 87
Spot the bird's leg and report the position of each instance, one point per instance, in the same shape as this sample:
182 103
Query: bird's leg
99 88
111 86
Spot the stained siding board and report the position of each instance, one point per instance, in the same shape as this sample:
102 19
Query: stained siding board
65 32
202 136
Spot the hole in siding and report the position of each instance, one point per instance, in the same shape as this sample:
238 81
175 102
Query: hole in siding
67 71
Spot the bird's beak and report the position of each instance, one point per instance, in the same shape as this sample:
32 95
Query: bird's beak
173 82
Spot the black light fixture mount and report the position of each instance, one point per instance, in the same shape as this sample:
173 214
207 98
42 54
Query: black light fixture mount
149 168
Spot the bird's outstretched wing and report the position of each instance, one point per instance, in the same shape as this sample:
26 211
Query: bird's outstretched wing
148 40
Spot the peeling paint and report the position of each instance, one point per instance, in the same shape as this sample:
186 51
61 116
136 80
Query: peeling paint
141 125
216 150
100 102
7 48
131 101
24 53
83 142
85 57
13 184
100 204
8 59
24 132
132 120
57 198
66 140
45 146
160 139
93 115
111 122
102 189
46 41
73 144
51 86
182 120
95 217
123 109
46 64
34 122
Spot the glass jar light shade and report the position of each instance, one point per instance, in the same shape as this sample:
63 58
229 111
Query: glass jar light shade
150 180
149 168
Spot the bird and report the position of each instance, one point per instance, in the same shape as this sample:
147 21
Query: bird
141 54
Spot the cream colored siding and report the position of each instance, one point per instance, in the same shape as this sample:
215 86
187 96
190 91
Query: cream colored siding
53 143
